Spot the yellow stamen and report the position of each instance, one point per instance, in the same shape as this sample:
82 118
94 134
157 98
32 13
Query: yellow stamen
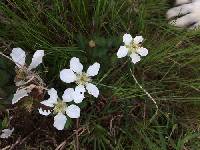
82 79
132 48
60 107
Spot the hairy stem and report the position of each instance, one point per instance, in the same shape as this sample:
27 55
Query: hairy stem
147 93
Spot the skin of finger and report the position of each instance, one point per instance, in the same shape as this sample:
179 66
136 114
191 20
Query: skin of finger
179 2
180 10
183 21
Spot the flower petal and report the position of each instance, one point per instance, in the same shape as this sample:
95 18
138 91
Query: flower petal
47 103
68 95
122 52
37 59
6 133
127 39
92 89
67 76
59 121
80 89
20 93
52 99
44 112
75 65
78 94
135 58
18 56
78 98
138 39
73 111
93 69
142 51
53 95
20 83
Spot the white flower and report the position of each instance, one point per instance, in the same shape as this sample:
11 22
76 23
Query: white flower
82 79
60 108
132 47
24 74
6 133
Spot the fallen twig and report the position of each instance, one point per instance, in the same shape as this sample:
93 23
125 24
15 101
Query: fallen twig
5 148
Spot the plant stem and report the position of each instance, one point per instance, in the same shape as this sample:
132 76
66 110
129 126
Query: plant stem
147 93
77 136
6 56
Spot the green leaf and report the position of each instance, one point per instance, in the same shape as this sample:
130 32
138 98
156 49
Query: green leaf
4 78
5 122
99 51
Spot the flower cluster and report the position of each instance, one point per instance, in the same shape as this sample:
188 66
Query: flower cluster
67 106
83 81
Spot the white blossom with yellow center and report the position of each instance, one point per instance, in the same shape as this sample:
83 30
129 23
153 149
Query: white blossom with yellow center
60 108
82 79
132 47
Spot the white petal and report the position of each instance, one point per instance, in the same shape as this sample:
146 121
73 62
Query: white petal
142 51
75 65
20 93
122 52
78 98
6 133
59 121
44 112
135 58
52 99
67 75
80 89
127 39
18 56
47 103
78 94
37 59
138 39
92 89
73 111
20 83
53 95
93 69
68 95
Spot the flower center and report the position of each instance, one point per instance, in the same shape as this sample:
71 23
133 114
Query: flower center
132 48
60 107
21 74
82 79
